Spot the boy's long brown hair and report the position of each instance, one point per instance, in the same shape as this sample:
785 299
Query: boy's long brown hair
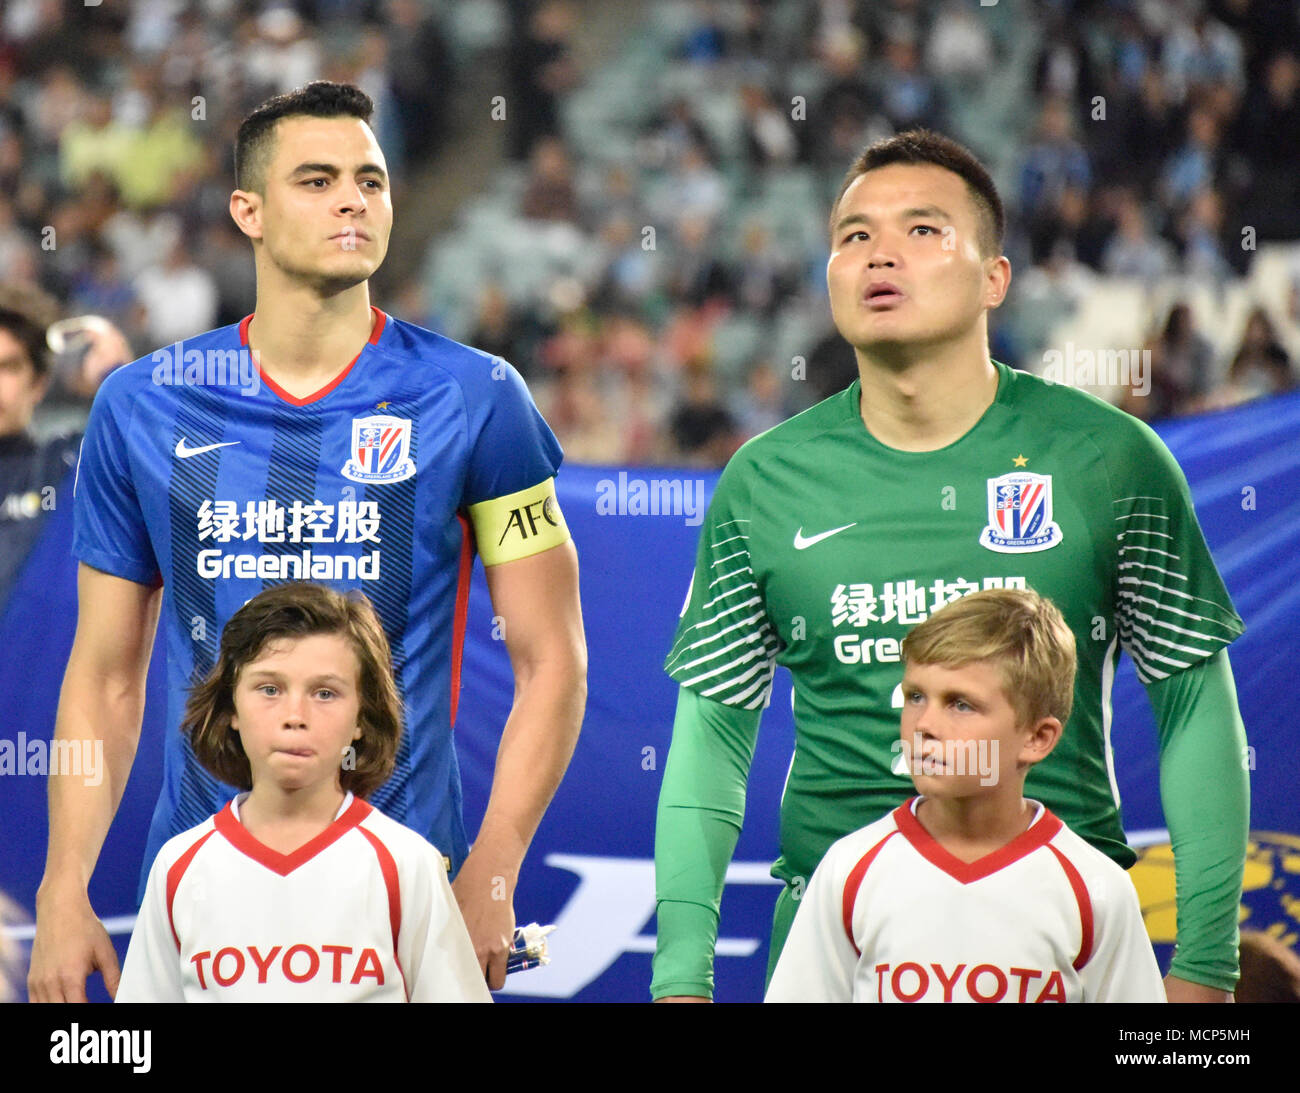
299 610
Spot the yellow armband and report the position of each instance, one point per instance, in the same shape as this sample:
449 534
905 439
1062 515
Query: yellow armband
519 524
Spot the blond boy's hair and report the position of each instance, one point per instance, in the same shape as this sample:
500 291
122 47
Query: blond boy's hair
1020 632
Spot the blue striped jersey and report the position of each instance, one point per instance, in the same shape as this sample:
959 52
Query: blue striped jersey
199 472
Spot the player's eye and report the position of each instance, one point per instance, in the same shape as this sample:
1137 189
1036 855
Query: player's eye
325 693
962 705
854 235
312 181
269 689
926 228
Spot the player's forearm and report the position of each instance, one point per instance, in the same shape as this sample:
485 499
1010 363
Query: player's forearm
536 746
96 733
1205 792
701 809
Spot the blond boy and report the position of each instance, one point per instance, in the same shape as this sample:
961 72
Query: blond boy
969 892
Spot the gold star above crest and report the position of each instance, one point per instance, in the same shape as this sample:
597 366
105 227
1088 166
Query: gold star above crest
381 405
1020 460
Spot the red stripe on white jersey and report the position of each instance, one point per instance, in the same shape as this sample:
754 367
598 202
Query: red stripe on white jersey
1085 908
388 868
174 875
854 883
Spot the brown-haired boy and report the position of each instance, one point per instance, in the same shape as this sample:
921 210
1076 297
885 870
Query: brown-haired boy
970 892
298 890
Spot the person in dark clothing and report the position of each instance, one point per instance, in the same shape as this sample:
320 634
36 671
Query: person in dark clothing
32 471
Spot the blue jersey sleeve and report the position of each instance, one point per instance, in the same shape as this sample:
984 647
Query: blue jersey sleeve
109 531
511 446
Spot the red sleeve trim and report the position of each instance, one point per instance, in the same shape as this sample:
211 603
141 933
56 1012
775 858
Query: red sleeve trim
1039 834
388 867
174 875
854 884
462 610
284 864
1085 908
378 322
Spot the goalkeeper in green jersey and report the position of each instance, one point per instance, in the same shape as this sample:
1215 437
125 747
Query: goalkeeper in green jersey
936 473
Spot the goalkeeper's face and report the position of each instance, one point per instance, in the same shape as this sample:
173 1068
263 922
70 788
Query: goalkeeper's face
327 211
906 265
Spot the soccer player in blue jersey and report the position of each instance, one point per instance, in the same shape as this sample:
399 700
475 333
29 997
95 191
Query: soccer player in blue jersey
318 439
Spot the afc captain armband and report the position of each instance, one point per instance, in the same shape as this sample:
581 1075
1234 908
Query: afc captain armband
519 524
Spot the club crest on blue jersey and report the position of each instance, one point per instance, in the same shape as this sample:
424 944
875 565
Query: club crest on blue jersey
1020 514
380 450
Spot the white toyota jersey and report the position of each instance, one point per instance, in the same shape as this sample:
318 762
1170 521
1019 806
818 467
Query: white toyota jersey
361 912
891 916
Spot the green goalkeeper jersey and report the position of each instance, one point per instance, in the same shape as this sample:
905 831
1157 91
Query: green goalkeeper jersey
822 547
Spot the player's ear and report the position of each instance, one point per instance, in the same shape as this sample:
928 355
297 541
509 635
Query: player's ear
246 212
997 279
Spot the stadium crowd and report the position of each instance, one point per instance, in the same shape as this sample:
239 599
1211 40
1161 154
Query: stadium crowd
651 250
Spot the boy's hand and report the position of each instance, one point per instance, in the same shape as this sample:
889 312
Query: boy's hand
486 900
70 943
1180 990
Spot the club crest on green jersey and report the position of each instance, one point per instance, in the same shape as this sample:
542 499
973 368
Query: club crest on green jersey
1020 514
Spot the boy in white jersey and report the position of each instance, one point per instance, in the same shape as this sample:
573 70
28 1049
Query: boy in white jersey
298 890
970 892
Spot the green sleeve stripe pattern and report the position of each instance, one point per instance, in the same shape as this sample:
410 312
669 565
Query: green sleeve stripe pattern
1163 625
729 654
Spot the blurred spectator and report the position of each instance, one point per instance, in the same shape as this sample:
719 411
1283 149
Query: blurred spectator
702 428
541 68
1054 162
1182 363
842 118
179 297
505 332
550 194
1198 53
419 75
1200 237
1194 166
769 136
31 469
696 274
1261 367
1134 250
760 406
95 142
1267 139
959 51
908 96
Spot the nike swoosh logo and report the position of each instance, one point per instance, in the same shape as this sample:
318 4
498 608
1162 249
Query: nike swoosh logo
800 543
183 451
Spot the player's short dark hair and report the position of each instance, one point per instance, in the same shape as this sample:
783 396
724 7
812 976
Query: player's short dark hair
255 142
922 146
27 312
298 610
1020 632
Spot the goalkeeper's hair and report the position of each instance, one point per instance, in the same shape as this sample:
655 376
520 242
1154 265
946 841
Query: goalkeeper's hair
26 312
255 142
291 611
1019 632
924 146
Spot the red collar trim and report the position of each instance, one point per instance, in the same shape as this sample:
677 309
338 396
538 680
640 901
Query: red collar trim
237 835
376 331
1040 833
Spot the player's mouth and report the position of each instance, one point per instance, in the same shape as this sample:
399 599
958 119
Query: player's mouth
881 295
299 753
355 234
